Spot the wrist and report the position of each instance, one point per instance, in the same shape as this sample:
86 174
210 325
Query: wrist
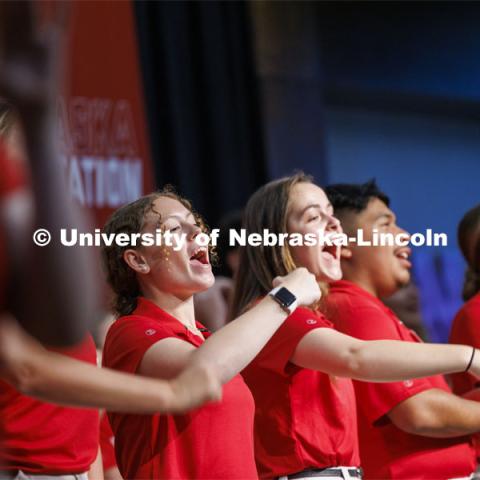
285 298
471 359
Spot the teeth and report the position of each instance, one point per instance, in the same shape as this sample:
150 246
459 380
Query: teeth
199 253
403 255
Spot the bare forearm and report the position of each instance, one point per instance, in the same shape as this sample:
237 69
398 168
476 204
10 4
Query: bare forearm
436 413
388 361
234 346
453 420
56 378
70 272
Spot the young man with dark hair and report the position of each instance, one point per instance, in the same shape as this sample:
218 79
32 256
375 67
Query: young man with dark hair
411 429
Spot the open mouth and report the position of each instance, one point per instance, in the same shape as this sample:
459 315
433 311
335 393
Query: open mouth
200 255
403 254
331 251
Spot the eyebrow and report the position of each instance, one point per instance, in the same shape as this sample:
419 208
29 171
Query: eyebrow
388 216
162 220
315 205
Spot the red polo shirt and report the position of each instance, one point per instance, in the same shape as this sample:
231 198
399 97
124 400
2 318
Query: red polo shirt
214 441
385 450
466 330
304 418
107 442
43 438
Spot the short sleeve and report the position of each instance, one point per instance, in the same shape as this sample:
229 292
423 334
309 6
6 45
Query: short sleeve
276 355
377 399
465 330
465 327
129 338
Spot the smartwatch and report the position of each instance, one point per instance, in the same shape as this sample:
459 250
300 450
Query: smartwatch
285 298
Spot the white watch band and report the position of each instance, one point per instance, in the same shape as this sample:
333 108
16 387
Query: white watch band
289 309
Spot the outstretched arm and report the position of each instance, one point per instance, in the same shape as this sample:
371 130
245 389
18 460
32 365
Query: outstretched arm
379 360
52 377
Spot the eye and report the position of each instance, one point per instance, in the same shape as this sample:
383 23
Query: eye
313 218
172 227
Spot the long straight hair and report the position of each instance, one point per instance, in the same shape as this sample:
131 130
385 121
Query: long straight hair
469 241
267 209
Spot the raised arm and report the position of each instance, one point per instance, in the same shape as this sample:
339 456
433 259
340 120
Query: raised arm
234 346
29 78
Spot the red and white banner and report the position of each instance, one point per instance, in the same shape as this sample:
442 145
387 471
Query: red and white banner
101 127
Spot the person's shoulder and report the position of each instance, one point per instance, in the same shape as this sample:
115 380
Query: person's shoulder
345 304
130 326
309 316
472 306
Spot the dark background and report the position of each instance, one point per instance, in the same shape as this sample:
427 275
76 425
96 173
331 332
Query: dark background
239 93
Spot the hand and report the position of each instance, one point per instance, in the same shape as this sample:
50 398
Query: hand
30 55
302 284
195 386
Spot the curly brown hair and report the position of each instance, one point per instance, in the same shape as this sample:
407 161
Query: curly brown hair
130 219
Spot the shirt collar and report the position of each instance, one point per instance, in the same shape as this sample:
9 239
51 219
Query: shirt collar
147 308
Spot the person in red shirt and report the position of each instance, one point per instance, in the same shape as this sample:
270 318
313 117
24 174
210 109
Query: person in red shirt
33 192
45 439
305 419
38 438
156 335
107 442
466 324
412 429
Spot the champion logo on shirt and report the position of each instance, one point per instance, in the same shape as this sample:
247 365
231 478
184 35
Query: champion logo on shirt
408 383
311 321
150 331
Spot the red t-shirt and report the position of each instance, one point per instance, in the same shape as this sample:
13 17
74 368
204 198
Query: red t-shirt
107 442
385 450
303 418
466 330
42 438
213 441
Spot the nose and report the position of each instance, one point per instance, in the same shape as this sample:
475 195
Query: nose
403 231
333 224
194 231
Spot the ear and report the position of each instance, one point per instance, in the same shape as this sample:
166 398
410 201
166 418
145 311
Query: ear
136 261
345 253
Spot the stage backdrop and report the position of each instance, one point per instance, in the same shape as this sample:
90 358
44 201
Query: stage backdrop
102 131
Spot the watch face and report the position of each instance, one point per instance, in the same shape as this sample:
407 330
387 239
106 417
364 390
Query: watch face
285 296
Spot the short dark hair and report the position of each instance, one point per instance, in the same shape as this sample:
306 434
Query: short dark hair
354 197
